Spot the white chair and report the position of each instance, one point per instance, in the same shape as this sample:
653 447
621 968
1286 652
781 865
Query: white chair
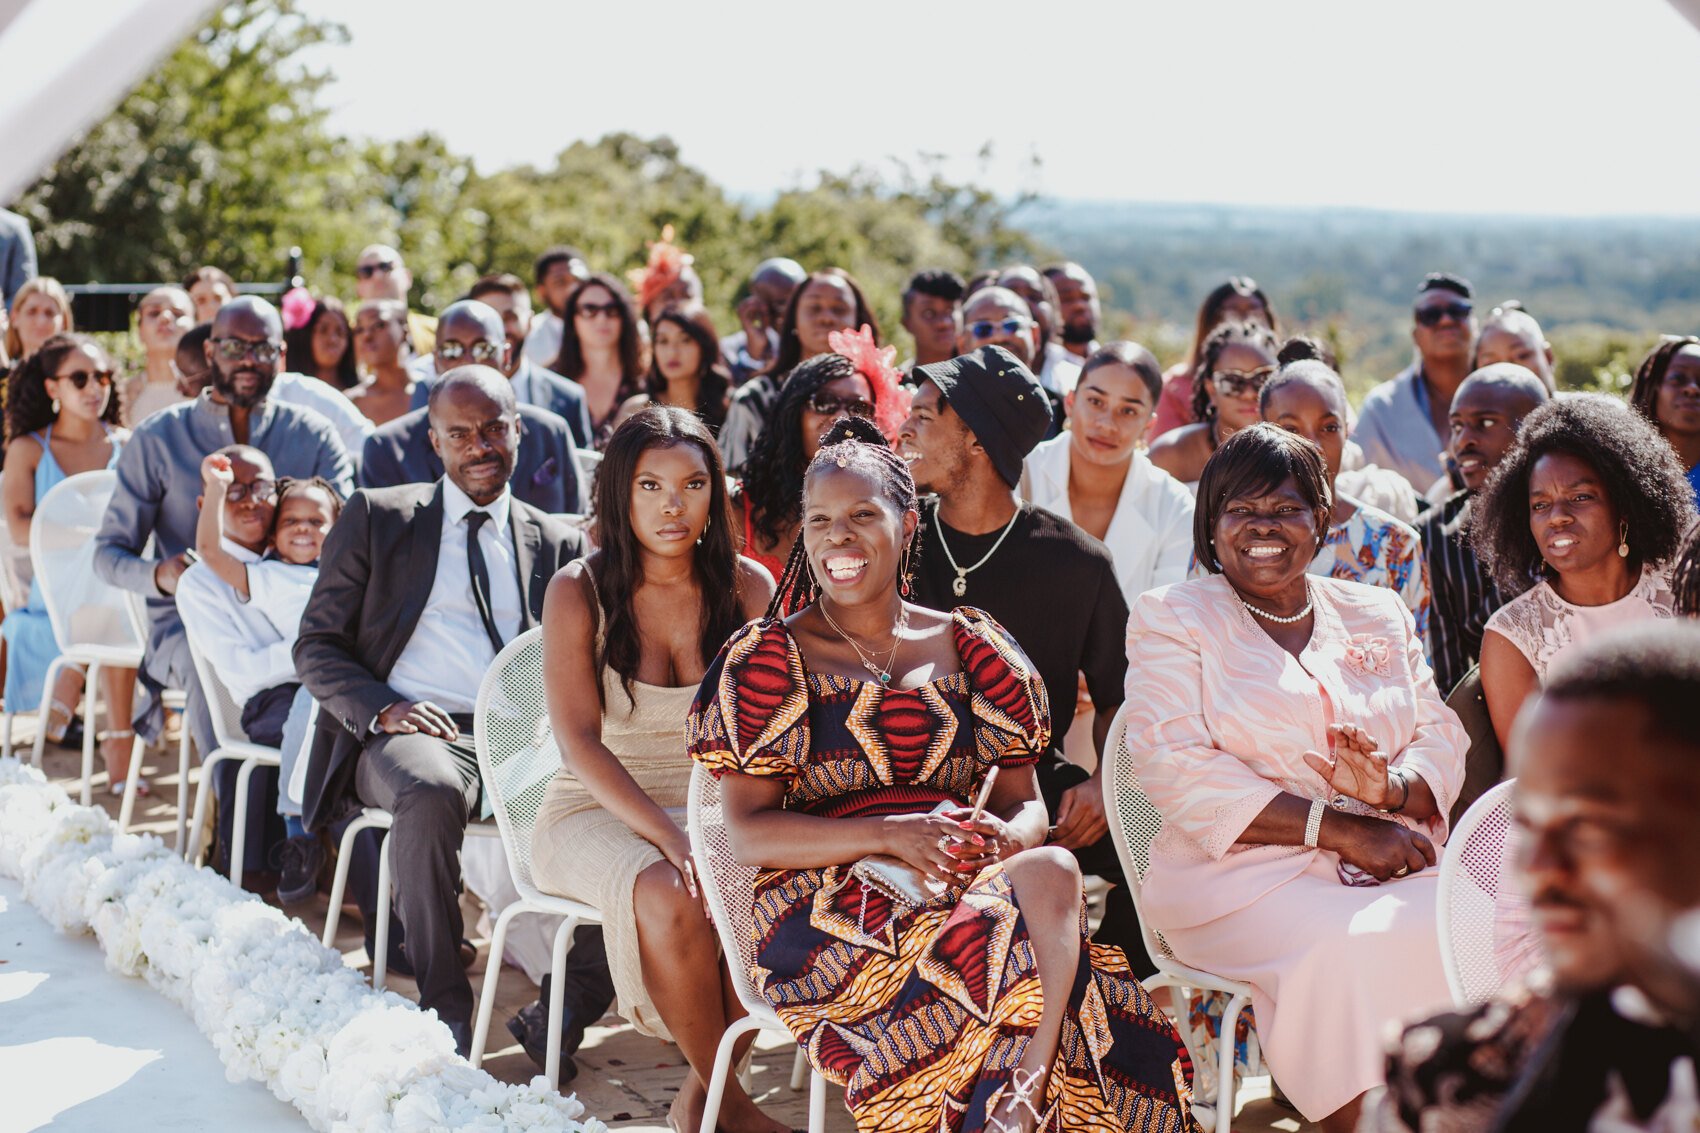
1134 825
172 698
728 888
1472 901
517 759
91 620
231 742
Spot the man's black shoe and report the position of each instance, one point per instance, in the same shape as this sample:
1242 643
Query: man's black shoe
462 1031
530 1026
303 858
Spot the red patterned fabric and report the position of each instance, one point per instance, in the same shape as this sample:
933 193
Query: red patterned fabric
922 1015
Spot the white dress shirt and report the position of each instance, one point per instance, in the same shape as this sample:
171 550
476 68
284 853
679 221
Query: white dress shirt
330 403
447 656
280 591
1060 370
236 637
543 340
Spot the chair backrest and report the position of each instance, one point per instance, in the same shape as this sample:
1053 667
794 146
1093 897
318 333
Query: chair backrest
728 887
226 713
517 753
1134 825
1483 923
84 609
1484 762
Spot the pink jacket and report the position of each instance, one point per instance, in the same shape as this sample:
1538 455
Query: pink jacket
1219 718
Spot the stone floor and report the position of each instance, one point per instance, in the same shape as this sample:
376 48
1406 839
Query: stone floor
626 1079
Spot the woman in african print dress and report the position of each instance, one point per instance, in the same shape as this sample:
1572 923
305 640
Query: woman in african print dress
862 725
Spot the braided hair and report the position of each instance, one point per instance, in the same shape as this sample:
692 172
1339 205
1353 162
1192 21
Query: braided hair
852 442
1231 333
1644 394
773 472
28 406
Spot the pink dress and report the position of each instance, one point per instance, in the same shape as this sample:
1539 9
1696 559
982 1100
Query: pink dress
1218 720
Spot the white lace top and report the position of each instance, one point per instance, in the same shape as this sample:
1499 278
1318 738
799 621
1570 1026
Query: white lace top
1544 627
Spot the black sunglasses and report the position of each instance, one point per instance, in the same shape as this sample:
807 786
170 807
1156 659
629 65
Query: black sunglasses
828 405
82 378
1431 316
236 349
367 271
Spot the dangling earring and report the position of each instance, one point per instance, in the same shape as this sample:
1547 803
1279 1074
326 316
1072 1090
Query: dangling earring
704 534
56 407
1623 541
905 576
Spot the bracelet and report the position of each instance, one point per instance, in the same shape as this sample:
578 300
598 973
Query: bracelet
1405 797
1313 824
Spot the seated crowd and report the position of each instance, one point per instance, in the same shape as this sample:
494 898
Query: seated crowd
906 616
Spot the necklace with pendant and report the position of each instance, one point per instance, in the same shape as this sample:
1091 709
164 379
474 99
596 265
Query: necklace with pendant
882 673
960 586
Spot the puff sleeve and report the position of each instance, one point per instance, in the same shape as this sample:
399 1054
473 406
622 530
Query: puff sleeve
751 712
1012 715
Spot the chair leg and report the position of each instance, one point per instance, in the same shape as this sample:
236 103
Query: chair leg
557 998
492 975
54 668
127 808
183 792
339 881
1225 1064
722 1070
239 822
381 933
6 737
799 1068
90 684
817 1103
202 790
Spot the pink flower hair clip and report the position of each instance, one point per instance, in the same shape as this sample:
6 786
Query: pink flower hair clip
878 365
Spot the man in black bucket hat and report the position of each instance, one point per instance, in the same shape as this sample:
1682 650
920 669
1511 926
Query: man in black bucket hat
1051 585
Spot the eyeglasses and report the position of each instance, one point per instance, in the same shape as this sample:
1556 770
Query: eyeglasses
1241 383
367 271
829 405
260 491
236 349
482 351
82 378
987 328
1431 316
599 310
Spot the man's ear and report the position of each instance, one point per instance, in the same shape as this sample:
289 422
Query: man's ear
435 446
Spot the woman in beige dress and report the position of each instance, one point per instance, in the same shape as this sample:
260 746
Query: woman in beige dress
627 634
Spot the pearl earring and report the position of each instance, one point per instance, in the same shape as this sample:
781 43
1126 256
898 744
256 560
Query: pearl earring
56 406
1623 541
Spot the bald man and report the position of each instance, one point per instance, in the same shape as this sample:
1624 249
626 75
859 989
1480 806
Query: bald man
380 273
419 587
771 286
1077 307
1057 369
1511 334
1486 412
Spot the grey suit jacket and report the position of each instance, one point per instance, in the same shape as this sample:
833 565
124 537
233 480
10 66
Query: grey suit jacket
375 575
546 470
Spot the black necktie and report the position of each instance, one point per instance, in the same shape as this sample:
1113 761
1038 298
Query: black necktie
480 576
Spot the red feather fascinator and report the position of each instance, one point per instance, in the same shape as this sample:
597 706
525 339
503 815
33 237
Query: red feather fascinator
876 363
667 262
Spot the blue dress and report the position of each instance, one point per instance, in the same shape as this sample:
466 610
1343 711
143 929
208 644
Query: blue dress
30 644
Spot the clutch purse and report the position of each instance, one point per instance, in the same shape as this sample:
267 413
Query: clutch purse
903 884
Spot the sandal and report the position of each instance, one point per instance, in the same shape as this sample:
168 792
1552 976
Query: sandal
115 784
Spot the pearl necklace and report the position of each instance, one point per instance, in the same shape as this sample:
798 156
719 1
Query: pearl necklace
1277 618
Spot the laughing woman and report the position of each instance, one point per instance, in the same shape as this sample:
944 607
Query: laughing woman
1581 516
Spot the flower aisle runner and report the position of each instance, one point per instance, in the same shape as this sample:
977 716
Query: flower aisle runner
278 1007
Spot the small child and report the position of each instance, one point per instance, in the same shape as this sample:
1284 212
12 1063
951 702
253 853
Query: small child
278 586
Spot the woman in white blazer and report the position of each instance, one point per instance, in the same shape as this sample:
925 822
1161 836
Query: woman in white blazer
1096 475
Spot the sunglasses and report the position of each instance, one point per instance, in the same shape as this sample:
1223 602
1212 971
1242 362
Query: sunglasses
828 405
1241 383
236 349
599 310
481 351
82 378
987 328
1431 316
367 271
257 490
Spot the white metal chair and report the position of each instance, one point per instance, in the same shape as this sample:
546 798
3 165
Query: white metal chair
728 887
91 619
231 743
1134 825
172 698
517 759
1473 902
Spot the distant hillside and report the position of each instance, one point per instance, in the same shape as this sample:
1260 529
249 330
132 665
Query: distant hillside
1602 288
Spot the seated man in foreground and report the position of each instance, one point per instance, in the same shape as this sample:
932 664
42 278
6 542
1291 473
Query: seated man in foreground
1609 854
419 587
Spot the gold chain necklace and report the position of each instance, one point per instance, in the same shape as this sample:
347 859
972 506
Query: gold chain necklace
882 673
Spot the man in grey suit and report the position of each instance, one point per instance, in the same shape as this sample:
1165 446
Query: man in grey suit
419 587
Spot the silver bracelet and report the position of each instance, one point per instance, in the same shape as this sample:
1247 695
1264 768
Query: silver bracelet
1313 824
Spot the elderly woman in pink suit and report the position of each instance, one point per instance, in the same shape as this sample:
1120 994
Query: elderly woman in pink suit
1288 729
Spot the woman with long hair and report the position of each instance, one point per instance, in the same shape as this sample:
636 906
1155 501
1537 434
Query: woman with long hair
855 379
61 419
1233 363
40 309
685 369
1238 299
627 634
323 346
928 952
1667 393
825 302
601 349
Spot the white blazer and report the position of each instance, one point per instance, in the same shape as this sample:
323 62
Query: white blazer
1150 535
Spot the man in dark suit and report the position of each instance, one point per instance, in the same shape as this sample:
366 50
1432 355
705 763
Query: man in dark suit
546 470
419 587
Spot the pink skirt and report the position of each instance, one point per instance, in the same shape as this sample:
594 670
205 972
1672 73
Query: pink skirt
1334 970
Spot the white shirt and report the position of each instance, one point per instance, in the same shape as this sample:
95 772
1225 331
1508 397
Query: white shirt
1150 533
237 638
329 402
280 591
1061 369
447 656
543 340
